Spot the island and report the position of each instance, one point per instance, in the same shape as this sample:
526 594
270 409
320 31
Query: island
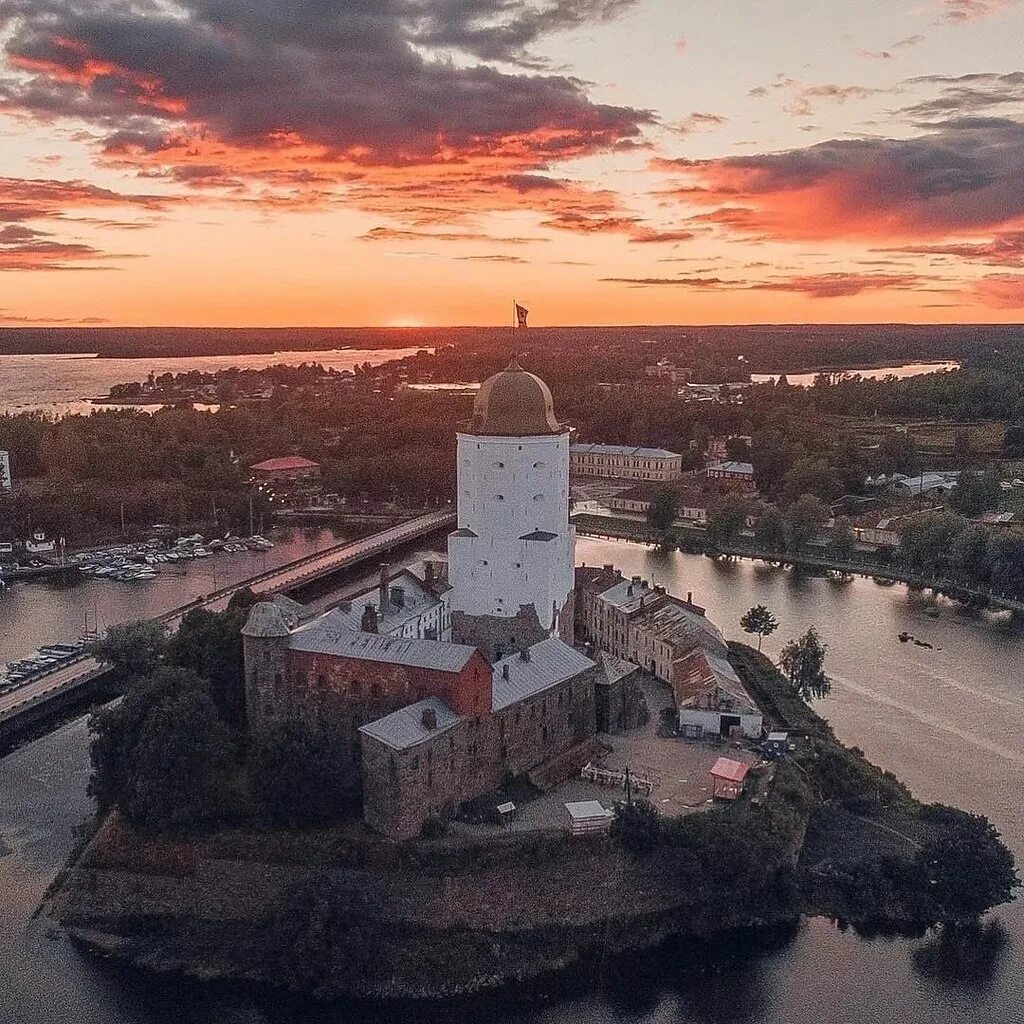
334 911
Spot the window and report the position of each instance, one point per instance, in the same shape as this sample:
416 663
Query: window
499 497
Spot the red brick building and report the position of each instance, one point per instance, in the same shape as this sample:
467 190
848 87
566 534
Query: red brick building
287 470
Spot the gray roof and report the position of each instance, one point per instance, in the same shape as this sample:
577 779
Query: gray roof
326 637
627 594
418 599
404 728
675 623
622 449
613 669
552 661
730 466
267 619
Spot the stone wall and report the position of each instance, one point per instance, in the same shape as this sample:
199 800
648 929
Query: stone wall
402 789
497 635
546 725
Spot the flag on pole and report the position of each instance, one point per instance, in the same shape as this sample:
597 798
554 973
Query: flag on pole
521 314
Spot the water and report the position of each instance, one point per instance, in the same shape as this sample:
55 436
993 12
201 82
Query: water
32 614
949 721
62 385
871 373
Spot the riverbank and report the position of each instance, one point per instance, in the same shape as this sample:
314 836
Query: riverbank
337 912
693 539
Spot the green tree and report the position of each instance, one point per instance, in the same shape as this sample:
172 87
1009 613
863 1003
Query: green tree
810 476
770 530
843 539
760 622
975 493
132 649
897 453
803 663
770 457
926 541
963 450
662 511
966 867
726 519
116 728
180 765
210 645
299 775
804 520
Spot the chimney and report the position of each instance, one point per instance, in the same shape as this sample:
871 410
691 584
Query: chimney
398 596
524 654
659 590
629 590
368 623
689 597
609 568
382 587
428 573
635 579
504 671
429 719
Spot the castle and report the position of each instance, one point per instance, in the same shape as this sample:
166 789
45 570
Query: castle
430 722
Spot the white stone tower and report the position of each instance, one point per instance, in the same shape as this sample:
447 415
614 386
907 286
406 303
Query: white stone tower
511 560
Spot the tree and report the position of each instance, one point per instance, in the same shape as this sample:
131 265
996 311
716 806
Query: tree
897 453
759 621
1013 440
843 539
210 645
804 520
770 457
132 649
770 530
967 868
726 518
116 729
662 510
803 663
975 493
299 775
810 476
926 541
180 765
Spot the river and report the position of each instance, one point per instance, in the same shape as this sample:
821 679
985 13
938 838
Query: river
900 371
62 385
949 721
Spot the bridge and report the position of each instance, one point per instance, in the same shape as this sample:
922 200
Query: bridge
65 683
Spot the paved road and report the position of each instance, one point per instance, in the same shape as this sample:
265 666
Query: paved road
285 577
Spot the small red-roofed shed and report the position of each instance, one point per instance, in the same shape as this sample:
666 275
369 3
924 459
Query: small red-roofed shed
727 778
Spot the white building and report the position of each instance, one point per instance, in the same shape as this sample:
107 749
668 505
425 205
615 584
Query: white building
510 561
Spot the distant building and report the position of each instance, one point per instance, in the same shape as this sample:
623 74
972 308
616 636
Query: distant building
287 470
624 462
933 485
6 480
692 501
666 370
741 473
884 528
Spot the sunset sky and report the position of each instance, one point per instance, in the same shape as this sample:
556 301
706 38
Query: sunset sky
404 162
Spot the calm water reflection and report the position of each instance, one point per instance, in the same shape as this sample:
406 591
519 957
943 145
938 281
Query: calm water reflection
950 721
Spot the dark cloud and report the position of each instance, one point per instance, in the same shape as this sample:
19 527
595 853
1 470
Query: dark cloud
817 286
966 95
1006 249
23 246
345 81
962 176
959 11
504 30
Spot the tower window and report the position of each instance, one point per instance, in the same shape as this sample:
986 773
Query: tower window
499 465
499 497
